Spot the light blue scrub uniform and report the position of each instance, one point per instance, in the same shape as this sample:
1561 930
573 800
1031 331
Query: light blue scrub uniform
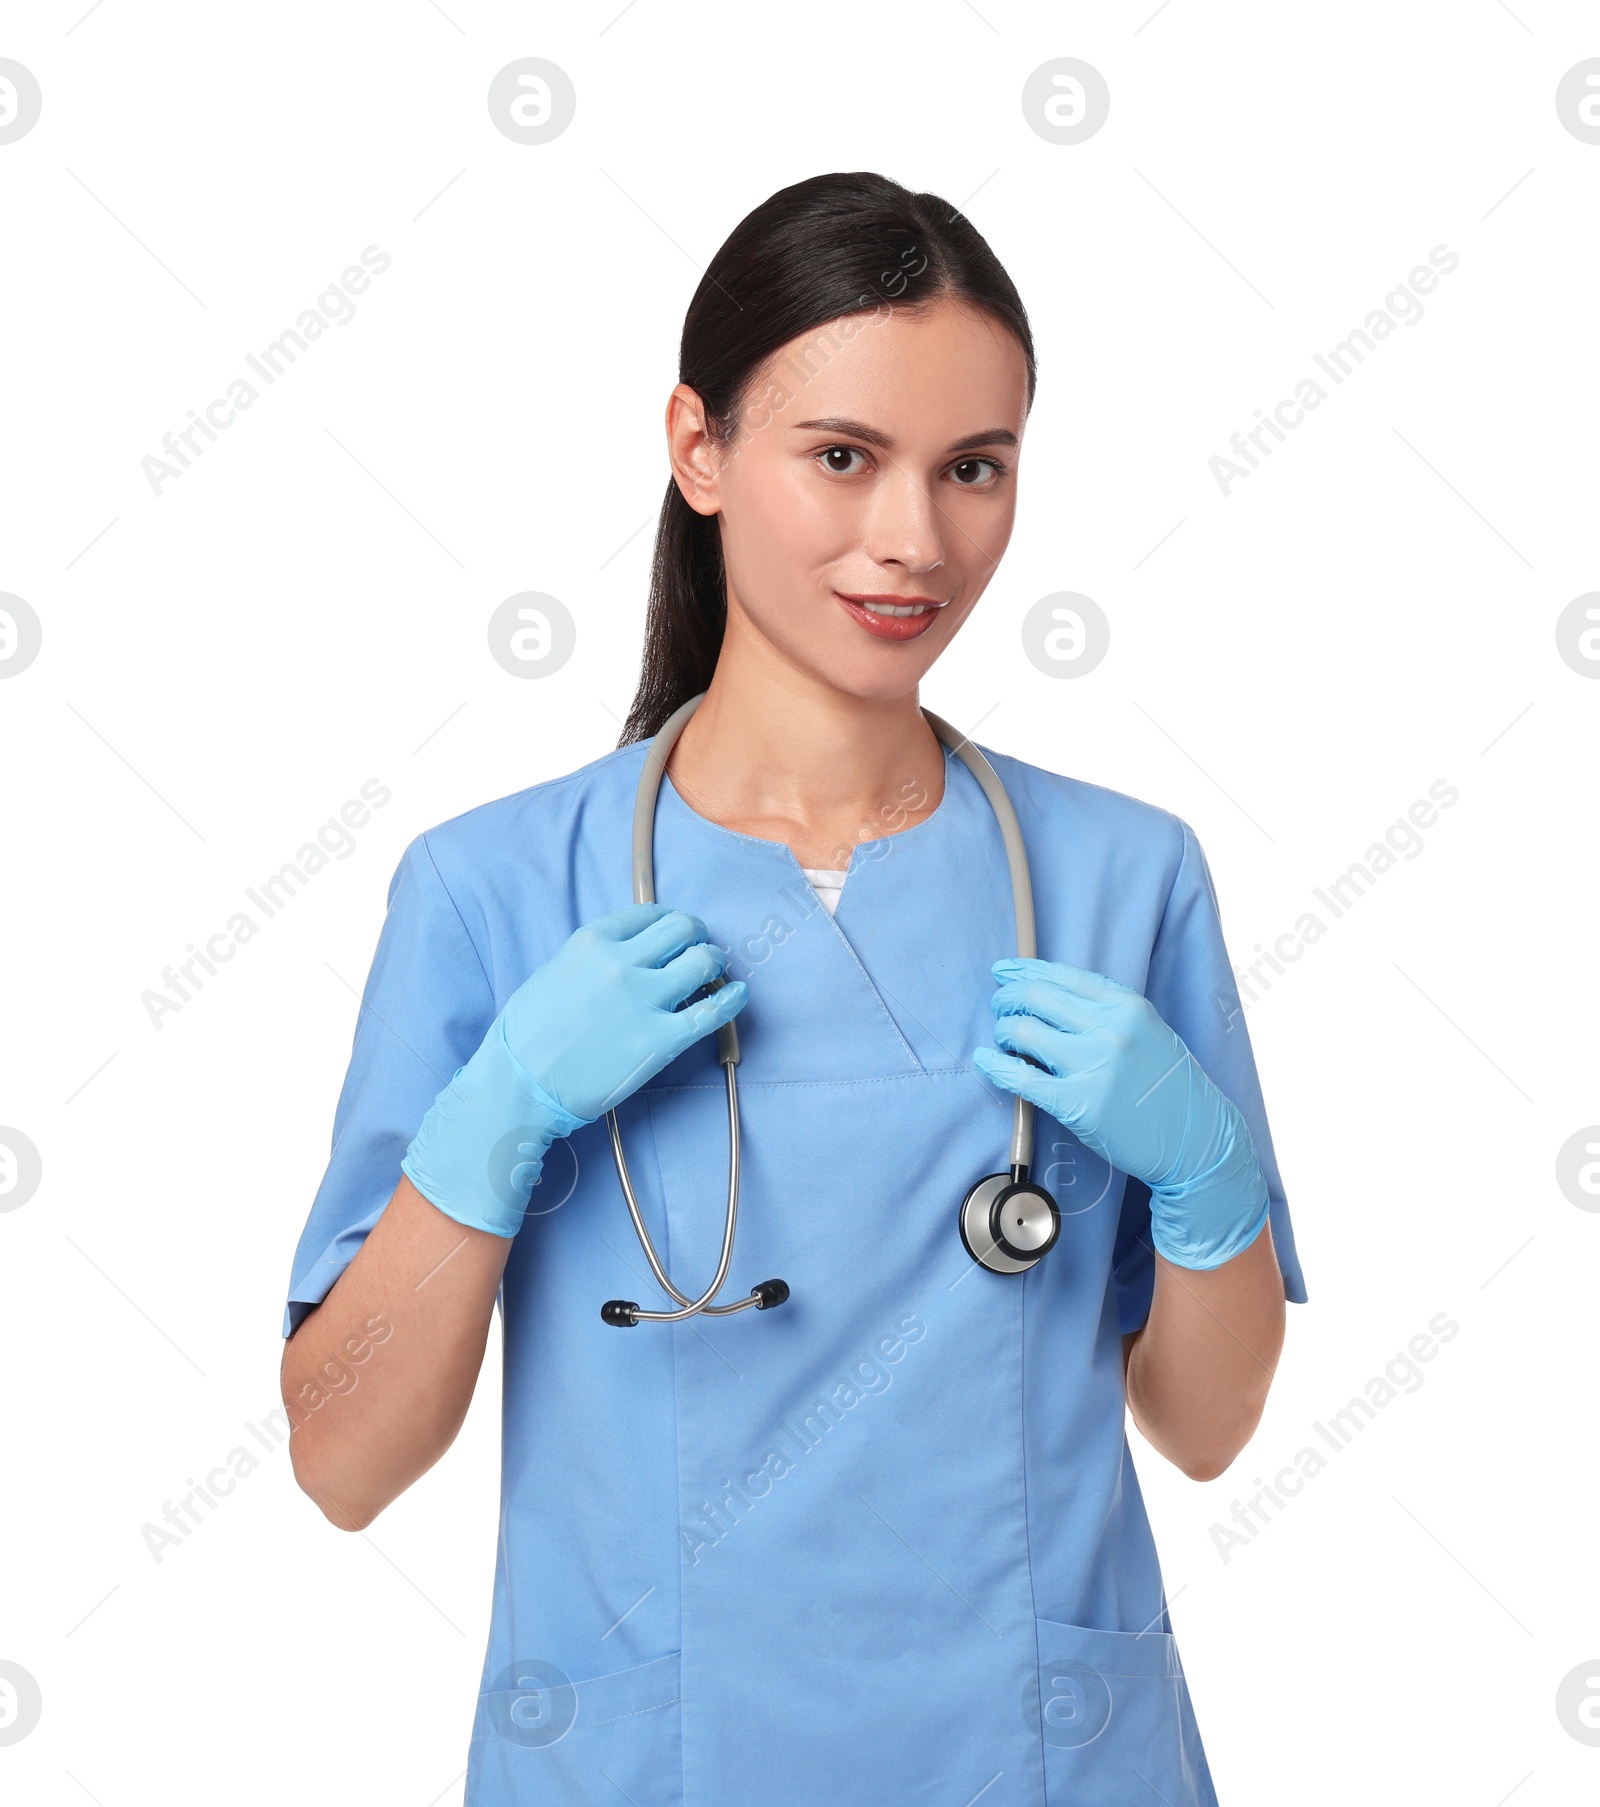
884 1544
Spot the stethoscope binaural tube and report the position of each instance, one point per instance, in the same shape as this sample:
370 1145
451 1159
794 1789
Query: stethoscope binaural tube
624 1313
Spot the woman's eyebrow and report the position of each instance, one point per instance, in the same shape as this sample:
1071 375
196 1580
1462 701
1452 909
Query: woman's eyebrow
850 429
996 436
854 429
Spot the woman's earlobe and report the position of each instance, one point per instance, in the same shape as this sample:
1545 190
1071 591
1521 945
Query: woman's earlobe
695 491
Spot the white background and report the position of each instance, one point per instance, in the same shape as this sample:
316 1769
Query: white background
305 609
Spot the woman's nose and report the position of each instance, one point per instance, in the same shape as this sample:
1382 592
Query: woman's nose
905 526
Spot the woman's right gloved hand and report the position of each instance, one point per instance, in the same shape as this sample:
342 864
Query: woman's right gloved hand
581 1034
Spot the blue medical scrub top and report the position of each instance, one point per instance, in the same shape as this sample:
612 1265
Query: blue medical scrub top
885 1544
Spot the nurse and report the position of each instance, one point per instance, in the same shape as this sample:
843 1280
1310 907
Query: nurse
883 1543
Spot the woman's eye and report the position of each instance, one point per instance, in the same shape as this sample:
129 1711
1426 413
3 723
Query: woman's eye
837 459
971 473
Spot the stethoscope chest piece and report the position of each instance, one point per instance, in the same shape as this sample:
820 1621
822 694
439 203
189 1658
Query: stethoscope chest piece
1008 1224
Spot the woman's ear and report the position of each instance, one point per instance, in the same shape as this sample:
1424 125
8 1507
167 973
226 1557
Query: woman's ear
693 455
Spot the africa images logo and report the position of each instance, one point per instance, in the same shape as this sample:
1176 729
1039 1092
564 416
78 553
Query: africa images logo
335 306
1402 306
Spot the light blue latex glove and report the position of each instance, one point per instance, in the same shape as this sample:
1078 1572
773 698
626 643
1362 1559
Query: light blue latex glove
584 1032
1132 1093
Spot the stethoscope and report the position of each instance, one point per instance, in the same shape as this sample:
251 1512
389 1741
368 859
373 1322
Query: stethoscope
1008 1223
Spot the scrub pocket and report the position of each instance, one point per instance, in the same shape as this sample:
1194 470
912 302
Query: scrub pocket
1113 1710
541 1738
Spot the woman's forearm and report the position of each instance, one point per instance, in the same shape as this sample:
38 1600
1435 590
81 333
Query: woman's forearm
1199 1371
378 1378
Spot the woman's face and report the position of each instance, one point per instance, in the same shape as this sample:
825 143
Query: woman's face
872 471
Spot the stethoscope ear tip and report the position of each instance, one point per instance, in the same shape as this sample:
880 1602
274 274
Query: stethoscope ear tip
770 1293
623 1313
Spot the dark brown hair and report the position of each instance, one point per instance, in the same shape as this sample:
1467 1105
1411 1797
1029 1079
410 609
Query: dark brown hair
826 249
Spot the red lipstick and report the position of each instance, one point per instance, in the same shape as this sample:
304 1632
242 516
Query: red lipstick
912 616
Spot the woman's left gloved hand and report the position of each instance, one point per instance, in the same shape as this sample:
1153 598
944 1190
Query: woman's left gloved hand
1132 1093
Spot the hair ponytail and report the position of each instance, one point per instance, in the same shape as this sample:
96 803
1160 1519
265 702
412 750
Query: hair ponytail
819 251
683 626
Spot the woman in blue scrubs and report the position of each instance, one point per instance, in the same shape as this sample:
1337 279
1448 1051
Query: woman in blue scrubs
884 1543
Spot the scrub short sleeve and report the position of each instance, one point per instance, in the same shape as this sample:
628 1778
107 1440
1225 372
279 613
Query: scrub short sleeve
1191 984
426 1007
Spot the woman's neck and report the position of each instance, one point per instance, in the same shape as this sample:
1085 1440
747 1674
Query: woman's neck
776 753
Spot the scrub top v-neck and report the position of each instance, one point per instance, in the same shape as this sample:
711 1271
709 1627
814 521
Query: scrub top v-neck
886 1544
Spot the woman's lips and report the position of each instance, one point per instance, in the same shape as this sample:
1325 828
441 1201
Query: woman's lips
911 616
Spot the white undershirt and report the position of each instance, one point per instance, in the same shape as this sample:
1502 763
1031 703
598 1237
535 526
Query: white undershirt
827 885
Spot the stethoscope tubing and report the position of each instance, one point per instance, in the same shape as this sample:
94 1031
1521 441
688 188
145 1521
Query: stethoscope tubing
1021 891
